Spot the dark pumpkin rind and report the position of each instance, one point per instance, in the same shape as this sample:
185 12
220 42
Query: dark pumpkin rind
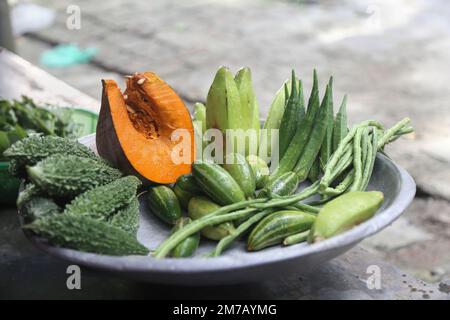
108 145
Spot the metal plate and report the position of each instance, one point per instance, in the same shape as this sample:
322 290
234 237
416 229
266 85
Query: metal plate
237 265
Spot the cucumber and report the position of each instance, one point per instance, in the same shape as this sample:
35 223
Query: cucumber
188 246
183 196
237 166
260 170
274 228
187 182
163 203
86 234
217 183
344 212
202 206
293 114
185 188
284 185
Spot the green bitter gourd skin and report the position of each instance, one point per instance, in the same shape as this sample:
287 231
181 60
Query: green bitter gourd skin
86 234
37 207
127 218
30 191
33 149
103 201
67 176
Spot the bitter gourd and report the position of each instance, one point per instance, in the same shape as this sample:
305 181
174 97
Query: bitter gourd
33 149
86 234
127 218
102 202
31 190
67 176
36 207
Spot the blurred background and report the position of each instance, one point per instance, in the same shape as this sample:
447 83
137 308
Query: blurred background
391 57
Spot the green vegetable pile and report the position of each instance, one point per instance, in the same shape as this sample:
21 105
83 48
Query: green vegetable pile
73 198
230 201
20 118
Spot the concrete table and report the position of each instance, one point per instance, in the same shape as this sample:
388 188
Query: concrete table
26 272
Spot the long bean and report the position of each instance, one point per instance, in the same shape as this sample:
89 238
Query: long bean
342 186
388 134
195 226
401 132
326 179
289 200
306 207
225 242
357 159
343 164
372 154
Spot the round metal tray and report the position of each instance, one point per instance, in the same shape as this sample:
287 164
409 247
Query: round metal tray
237 265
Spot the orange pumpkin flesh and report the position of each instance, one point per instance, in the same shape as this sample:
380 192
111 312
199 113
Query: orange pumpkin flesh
134 128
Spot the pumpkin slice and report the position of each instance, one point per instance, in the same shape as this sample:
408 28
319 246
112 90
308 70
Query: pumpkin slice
134 130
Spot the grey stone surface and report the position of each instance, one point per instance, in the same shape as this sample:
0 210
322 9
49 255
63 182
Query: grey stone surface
28 273
400 234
